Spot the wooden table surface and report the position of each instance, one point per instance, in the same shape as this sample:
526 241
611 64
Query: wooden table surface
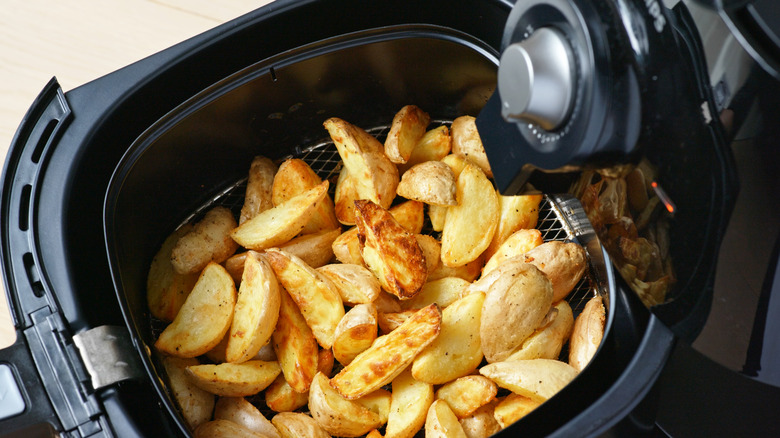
80 40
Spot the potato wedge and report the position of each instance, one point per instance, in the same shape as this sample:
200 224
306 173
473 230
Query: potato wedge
431 249
515 305
195 404
208 241
297 425
225 429
166 289
408 127
466 142
457 163
295 345
354 283
281 397
315 295
481 423
387 303
537 379
256 310
587 333
259 187
337 415
212 301
443 291
431 182
295 177
377 402
316 249
515 213
278 225
438 215
356 331
441 422
434 145
514 407
389 321
390 252
457 350
389 355
376 177
563 263
466 394
234 379
520 242
345 196
547 341
470 225
408 406
245 414
469 272
410 215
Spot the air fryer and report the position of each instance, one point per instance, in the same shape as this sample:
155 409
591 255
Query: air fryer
96 177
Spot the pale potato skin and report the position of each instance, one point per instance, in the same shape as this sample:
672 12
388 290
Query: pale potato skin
481 423
297 425
431 249
195 404
208 241
587 333
337 415
431 182
406 130
466 394
547 341
441 422
515 305
245 414
234 380
225 429
316 249
166 289
466 142
520 242
563 263
355 284
204 318
259 187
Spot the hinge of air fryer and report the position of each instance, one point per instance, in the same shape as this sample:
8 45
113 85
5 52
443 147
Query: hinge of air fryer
68 373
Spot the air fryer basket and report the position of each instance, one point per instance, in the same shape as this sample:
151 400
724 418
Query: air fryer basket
198 155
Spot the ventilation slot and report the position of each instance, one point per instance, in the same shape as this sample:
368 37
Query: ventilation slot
24 208
32 274
44 140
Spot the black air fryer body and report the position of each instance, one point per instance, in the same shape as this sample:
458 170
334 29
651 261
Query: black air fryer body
75 240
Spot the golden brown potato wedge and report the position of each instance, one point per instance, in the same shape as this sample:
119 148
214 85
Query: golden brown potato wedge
520 242
389 355
410 215
355 333
515 305
256 310
315 295
297 425
225 429
443 291
345 196
245 414
376 177
587 333
470 225
212 300
466 142
466 394
389 250
514 407
434 145
208 241
337 415
234 379
431 182
408 127
166 289
355 284
259 187
537 379
515 213
295 345
441 422
547 341
278 225
481 424
295 177
281 397
457 350
408 406
196 405
563 263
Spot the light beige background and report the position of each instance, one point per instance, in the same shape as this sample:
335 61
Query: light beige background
80 40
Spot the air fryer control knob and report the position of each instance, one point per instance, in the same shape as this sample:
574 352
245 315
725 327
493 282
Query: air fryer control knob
536 80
